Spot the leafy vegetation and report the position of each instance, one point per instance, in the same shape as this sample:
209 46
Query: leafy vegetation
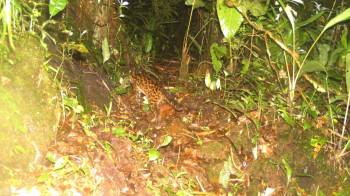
270 77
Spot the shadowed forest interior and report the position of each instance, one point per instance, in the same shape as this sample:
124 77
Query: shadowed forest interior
181 97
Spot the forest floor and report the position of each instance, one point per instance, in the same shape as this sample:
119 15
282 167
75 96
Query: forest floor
206 149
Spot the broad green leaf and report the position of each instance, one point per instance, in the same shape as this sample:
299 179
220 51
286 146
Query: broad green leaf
70 102
182 193
256 8
344 39
108 148
19 149
306 125
166 141
105 50
311 66
339 18
324 50
216 53
310 110
199 142
55 6
337 98
229 18
289 170
317 65
286 117
309 20
73 104
78 47
335 54
347 73
120 90
153 154
148 42
219 51
51 157
317 141
217 64
245 67
195 3
119 131
347 146
44 177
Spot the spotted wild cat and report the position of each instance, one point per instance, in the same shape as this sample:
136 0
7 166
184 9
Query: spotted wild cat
153 90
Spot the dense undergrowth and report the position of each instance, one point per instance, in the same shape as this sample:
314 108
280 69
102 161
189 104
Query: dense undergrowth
279 69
